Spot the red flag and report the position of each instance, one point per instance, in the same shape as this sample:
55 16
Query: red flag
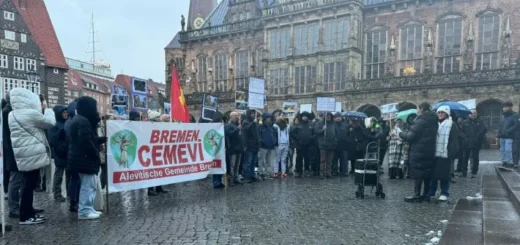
179 108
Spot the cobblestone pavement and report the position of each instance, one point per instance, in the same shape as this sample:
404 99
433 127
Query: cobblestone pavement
290 211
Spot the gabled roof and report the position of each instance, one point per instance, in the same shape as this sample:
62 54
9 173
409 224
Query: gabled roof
35 15
218 15
175 44
77 79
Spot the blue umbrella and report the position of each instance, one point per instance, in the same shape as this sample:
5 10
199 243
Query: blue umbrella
459 109
354 115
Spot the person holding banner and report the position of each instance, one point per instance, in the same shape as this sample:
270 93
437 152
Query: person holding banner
251 144
84 154
30 147
328 143
154 116
341 153
234 147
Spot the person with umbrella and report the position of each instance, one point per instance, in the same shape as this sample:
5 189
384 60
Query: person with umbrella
422 137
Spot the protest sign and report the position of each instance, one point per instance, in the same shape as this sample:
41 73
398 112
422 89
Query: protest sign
256 101
119 101
167 108
209 106
240 101
147 154
290 108
325 104
470 104
338 107
306 107
389 111
256 85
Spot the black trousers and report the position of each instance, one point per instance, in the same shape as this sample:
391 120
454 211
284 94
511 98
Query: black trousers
26 201
382 153
303 155
7 175
466 154
353 155
315 161
425 184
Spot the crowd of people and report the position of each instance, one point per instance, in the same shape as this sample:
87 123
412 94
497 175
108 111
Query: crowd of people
259 146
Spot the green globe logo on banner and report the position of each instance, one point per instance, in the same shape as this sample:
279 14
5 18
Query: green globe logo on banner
124 148
212 142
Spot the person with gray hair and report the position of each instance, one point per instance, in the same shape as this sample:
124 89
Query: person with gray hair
234 147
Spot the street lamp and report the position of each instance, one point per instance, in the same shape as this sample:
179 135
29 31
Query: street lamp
32 77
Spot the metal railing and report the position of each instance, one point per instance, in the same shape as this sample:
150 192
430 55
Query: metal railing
299 5
221 29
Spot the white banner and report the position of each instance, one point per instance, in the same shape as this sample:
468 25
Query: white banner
256 101
325 104
470 104
256 85
147 154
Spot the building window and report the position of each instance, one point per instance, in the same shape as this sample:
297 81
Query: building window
10 35
375 54
202 72
23 37
3 61
411 48
31 64
10 83
279 43
306 39
334 76
449 49
488 42
336 34
221 69
8 15
19 63
259 62
279 81
242 73
305 79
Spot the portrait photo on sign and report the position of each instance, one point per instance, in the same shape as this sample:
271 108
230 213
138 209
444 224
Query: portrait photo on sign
120 110
139 85
208 113
210 101
118 90
140 101
167 108
119 100
240 96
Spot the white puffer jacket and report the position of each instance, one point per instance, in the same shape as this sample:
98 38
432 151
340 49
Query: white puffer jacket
27 124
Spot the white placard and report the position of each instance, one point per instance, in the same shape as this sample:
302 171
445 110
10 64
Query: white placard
470 104
256 85
338 106
389 111
326 104
255 101
306 107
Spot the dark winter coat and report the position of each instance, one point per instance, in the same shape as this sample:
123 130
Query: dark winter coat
473 133
509 126
328 140
422 138
385 132
302 134
443 165
357 139
84 156
9 161
268 136
234 139
58 138
250 133
343 131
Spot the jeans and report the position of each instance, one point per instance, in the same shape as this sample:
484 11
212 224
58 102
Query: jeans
281 158
87 194
445 187
516 151
250 157
234 166
506 150
265 161
325 162
58 179
26 202
74 186
342 156
474 153
16 182
302 154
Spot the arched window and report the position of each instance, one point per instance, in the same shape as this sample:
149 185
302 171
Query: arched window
242 69
449 33
411 46
375 52
370 110
221 72
202 73
488 41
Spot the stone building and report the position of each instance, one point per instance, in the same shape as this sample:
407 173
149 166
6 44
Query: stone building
365 53
29 43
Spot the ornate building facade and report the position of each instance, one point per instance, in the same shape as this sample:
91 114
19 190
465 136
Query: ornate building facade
365 53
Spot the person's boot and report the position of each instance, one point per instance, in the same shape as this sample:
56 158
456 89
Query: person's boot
160 189
417 193
73 206
151 192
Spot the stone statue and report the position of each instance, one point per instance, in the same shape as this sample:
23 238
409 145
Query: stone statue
183 22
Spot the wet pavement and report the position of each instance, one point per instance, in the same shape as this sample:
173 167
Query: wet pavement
289 211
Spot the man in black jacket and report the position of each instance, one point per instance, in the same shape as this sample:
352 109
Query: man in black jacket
422 138
383 141
506 133
326 131
341 154
303 136
83 156
234 147
58 143
473 132
251 144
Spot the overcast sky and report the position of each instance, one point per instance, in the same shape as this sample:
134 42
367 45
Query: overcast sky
131 34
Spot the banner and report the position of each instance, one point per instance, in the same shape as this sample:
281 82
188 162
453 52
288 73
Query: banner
389 111
325 104
290 108
306 107
470 104
147 154
209 106
256 96
119 101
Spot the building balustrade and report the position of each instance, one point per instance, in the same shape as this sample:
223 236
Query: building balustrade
210 31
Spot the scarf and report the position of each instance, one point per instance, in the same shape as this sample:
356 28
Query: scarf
443 136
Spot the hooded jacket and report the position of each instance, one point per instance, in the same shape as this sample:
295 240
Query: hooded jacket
422 138
58 138
282 132
473 132
28 124
267 134
84 154
328 140
303 132
343 131
9 162
250 132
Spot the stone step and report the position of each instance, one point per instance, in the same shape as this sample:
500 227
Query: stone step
465 224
